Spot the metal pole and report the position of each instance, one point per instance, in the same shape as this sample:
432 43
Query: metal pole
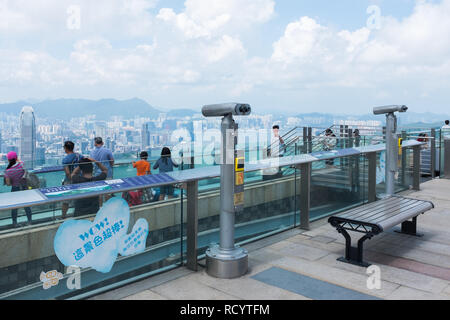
192 225
226 260
305 140
305 195
227 185
181 226
403 174
433 153
391 152
372 176
416 168
310 146
447 158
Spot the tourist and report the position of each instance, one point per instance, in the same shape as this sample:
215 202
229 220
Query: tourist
70 163
277 146
143 168
14 177
84 173
446 129
165 164
329 144
103 155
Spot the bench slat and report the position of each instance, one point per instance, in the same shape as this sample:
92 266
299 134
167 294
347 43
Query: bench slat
393 221
392 212
359 209
383 206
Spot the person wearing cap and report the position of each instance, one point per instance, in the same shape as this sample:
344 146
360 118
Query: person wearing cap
14 177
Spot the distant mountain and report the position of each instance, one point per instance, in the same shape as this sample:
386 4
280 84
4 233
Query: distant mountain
69 108
181 113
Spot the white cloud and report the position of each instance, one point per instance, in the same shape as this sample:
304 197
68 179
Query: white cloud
200 49
217 17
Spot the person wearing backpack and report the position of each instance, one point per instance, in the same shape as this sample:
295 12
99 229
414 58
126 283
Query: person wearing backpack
69 162
14 177
83 173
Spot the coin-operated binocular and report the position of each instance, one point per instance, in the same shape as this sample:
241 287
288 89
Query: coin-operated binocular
392 143
226 260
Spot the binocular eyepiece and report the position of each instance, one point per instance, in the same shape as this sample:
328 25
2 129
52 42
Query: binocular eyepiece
221 110
389 109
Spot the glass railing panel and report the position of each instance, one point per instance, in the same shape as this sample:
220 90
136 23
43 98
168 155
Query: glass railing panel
269 207
338 184
29 252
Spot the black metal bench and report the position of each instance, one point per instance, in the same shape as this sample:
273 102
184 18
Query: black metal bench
376 217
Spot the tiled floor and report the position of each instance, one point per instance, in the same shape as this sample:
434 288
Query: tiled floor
411 267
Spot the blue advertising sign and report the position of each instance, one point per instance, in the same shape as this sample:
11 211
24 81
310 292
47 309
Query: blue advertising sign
96 244
97 186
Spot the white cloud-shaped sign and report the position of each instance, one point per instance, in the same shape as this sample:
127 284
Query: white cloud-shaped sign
96 244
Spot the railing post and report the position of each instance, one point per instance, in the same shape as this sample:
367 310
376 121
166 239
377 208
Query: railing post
310 140
372 176
305 194
403 170
446 158
192 225
305 140
416 168
433 153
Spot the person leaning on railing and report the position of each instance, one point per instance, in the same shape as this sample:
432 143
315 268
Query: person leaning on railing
165 164
86 167
14 177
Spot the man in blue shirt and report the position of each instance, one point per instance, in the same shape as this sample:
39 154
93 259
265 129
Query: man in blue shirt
103 155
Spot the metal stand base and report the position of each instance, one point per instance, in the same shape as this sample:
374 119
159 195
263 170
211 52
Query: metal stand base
226 264
410 228
354 262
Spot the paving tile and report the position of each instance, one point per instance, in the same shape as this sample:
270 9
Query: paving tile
188 288
344 278
145 295
247 288
410 265
323 239
308 286
302 251
447 291
391 274
405 293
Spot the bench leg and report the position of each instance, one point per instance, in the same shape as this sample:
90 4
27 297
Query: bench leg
354 255
410 228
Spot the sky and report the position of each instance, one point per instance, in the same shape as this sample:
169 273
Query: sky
280 56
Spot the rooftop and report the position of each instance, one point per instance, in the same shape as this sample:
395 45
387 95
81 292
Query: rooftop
299 264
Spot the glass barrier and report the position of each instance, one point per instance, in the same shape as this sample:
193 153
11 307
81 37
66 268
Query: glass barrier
28 261
269 208
338 184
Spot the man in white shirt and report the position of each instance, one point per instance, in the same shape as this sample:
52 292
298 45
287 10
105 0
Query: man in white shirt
446 129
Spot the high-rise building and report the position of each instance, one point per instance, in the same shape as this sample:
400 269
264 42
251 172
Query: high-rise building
27 148
145 136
